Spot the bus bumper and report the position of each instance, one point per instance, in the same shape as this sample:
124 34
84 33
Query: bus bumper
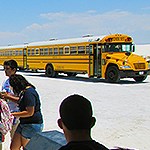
132 74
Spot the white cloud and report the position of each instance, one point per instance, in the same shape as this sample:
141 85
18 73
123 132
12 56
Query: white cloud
96 22
63 24
34 26
54 16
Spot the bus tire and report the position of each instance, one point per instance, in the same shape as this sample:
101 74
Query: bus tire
140 78
112 74
50 71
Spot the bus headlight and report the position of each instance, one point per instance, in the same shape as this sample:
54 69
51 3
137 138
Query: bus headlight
125 67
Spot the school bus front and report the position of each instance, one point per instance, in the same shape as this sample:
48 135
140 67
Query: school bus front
119 61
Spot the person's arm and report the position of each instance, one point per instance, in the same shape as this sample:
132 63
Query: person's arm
9 96
23 114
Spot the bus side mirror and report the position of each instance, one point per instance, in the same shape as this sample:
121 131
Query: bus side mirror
133 48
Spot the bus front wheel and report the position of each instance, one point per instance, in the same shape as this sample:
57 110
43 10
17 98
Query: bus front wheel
112 74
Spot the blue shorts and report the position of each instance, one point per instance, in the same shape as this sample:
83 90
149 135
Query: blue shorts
29 130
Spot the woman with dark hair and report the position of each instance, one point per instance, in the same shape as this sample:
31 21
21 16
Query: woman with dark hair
31 120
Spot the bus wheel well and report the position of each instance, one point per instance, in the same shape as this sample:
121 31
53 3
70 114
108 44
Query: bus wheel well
111 65
49 64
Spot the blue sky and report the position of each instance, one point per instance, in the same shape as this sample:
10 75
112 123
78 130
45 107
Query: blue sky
36 20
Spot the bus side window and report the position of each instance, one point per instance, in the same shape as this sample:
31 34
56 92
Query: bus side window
17 52
87 49
73 50
20 52
29 52
81 49
103 48
32 52
14 52
60 50
11 53
50 51
55 51
66 50
37 51
6 53
41 51
45 51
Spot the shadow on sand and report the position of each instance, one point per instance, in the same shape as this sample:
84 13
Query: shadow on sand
81 78
77 78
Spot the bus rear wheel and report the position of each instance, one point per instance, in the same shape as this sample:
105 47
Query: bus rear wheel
50 71
112 74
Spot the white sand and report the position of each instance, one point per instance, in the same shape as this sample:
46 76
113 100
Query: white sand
122 110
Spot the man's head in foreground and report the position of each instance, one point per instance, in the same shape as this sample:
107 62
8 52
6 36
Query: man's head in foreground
76 115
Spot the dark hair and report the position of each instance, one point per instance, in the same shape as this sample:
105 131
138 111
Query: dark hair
76 112
19 83
12 63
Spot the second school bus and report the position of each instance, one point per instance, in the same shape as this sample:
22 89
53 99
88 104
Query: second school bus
110 57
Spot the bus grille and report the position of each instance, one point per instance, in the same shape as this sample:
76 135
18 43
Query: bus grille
139 65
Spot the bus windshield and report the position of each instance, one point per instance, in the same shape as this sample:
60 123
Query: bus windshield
118 47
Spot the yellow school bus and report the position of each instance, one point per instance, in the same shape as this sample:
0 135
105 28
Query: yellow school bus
110 57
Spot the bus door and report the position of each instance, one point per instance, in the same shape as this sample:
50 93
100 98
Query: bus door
91 61
98 60
95 60
25 58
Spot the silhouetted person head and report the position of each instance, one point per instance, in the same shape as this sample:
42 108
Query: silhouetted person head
76 112
76 118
